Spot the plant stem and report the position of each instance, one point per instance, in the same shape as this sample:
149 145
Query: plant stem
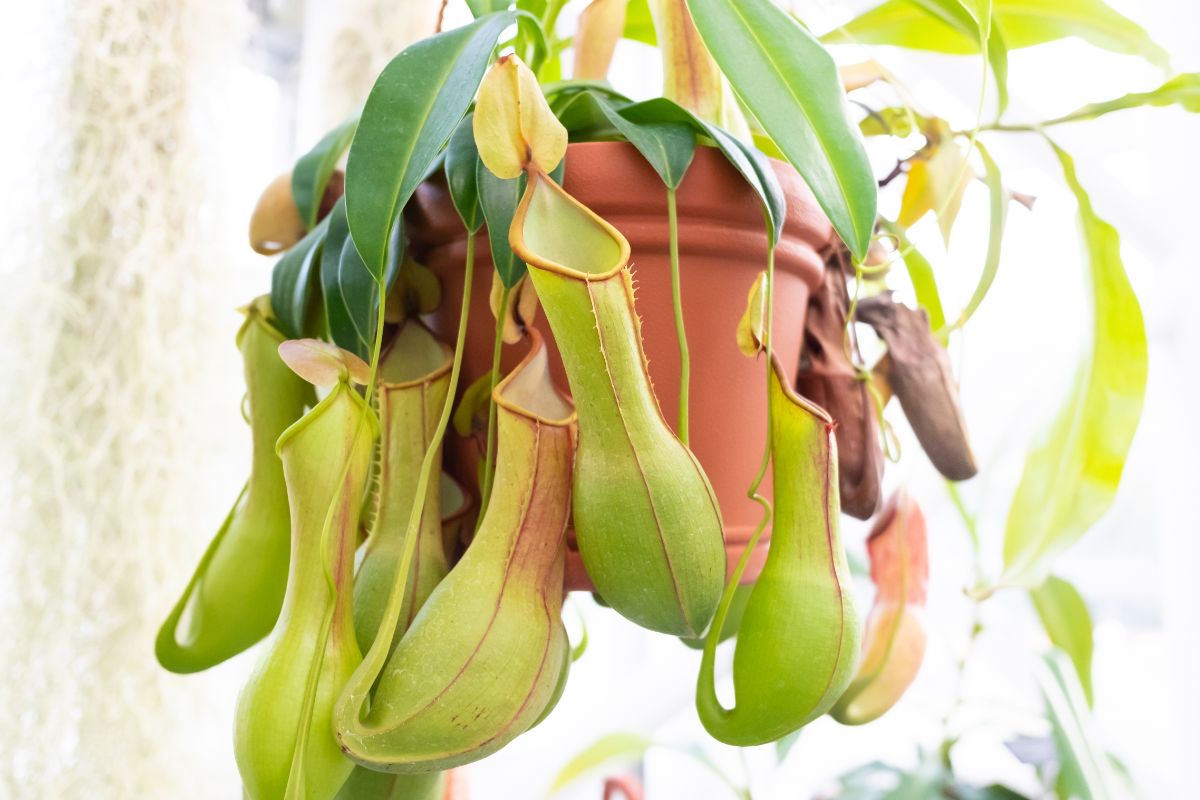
489 464
685 364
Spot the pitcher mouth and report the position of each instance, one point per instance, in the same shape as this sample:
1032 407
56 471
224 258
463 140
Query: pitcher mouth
529 391
569 218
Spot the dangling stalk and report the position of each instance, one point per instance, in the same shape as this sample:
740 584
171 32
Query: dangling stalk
489 464
685 365
714 631
349 705
296 788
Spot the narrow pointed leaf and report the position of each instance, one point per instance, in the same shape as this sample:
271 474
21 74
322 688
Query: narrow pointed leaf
462 161
996 218
1084 767
750 162
311 174
791 84
349 288
292 282
1068 623
1071 477
1183 90
667 146
410 114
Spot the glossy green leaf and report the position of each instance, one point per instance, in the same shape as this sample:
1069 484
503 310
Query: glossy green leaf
996 218
605 750
753 165
498 199
311 174
791 84
292 281
412 110
1068 623
351 292
462 161
639 25
1024 22
1183 89
1071 477
920 273
667 146
1084 768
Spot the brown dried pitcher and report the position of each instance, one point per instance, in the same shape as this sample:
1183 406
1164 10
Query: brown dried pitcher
722 246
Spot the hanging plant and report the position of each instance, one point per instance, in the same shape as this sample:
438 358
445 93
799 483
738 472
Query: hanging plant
501 235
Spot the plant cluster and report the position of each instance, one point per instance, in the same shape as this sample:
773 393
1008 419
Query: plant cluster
416 626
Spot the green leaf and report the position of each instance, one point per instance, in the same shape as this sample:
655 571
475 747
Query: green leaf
667 146
639 25
1084 768
1070 478
973 19
410 114
498 198
531 40
920 273
292 282
1068 623
484 7
606 749
753 165
462 161
311 174
791 84
1183 89
991 262
351 292
1025 23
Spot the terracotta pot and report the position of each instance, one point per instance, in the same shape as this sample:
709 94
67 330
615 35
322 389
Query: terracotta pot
722 247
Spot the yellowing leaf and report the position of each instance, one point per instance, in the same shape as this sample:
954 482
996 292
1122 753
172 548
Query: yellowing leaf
860 75
1071 477
323 364
937 184
514 126
750 333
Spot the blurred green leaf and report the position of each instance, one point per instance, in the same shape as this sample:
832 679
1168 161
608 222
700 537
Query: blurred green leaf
783 746
311 174
1183 89
605 750
973 19
481 7
999 212
1084 768
791 84
292 280
639 25
1068 623
413 108
920 273
1024 23
1071 477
